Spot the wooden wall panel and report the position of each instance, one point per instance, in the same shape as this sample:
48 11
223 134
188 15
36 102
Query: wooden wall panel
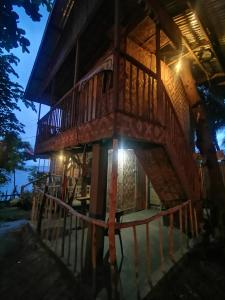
170 79
162 175
86 133
131 127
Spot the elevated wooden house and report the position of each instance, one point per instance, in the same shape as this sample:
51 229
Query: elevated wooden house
119 131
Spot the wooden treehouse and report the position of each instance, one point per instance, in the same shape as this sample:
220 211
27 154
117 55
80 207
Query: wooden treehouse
123 194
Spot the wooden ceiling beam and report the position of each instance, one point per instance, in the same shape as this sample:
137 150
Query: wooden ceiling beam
166 22
172 30
207 28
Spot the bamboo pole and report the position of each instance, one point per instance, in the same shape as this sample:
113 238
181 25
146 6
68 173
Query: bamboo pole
116 59
112 214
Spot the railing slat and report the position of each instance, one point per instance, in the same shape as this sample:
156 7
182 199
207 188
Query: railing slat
59 219
69 238
148 253
161 243
136 261
75 248
171 235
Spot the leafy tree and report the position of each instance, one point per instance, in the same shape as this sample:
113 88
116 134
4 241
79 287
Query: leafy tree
14 156
11 35
34 174
11 92
215 109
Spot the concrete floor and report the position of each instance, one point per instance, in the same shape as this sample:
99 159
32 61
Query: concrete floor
132 280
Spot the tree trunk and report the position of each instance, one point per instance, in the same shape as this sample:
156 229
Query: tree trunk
207 149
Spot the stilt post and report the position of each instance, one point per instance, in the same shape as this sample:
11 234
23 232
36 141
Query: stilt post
112 215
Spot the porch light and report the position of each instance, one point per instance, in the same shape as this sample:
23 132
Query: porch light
61 157
122 156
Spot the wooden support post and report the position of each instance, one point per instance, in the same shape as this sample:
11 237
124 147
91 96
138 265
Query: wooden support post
64 179
41 211
99 181
168 25
116 58
157 43
191 219
74 104
76 67
97 204
112 214
158 73
84 173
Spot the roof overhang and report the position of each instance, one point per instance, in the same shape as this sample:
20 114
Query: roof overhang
57 42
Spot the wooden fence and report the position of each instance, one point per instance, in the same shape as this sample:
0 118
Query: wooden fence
66 231
69 234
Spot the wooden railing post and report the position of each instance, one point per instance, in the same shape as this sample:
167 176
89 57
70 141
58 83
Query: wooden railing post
112 214
41 210
116 58
160 102
191 218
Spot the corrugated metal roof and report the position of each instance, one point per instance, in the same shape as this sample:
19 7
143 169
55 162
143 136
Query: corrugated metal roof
202 24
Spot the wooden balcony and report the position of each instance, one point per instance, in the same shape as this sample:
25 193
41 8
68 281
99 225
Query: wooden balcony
141 111
88 112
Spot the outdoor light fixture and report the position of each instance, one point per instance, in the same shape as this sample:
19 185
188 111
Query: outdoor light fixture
61 157
122 156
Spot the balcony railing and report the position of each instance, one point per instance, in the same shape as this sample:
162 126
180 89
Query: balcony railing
141 97
92 99
87 101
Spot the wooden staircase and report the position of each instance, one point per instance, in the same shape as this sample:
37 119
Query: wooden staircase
171 166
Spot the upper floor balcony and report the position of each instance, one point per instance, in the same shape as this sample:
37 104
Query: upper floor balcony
137 107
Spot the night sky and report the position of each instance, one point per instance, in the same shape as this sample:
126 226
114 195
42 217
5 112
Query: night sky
34 32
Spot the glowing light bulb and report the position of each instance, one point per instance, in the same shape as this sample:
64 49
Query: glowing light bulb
61 157
178 66
121 156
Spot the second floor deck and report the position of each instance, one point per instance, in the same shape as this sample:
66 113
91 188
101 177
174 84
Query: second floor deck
94 109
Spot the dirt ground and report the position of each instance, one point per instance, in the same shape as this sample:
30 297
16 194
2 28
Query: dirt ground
13 213
200 275
28 272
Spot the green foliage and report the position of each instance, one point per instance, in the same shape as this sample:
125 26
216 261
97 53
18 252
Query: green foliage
11 92
14 157
11 35
215 109
26 200
34 174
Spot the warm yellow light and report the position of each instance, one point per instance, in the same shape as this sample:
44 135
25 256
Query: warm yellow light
61 157
178 66
194 20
